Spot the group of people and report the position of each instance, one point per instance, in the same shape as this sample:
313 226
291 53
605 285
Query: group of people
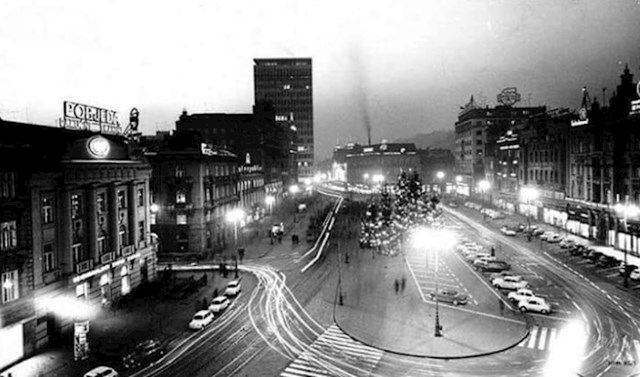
399 284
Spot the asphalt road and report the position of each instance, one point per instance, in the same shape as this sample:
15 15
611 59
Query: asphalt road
285 326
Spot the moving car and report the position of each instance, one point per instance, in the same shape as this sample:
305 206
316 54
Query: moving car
494 266
219 304
101 371
451 296
277 229
200 320
508 231
535 304
144 354
520 294
473 256
510 282
233 288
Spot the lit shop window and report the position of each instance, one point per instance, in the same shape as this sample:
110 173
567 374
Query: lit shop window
10 286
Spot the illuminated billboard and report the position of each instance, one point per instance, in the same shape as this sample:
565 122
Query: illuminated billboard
90 118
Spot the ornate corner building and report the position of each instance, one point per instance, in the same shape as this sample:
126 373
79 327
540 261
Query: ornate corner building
74 231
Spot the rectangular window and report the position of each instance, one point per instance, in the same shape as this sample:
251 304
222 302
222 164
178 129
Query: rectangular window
140 197
181 219
122 201
8 235
207 194
101 245
48 262
47 210
76 206
181 197
101 202
10 286
76 249
122 237
7 185
179 171
141 235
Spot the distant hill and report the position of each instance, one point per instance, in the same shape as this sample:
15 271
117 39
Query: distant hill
437 139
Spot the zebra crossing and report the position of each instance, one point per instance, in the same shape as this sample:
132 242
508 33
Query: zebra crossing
318 360
540 338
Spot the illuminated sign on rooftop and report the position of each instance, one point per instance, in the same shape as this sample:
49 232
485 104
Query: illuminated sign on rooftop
89 118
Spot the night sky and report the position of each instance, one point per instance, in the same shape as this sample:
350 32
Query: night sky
406 66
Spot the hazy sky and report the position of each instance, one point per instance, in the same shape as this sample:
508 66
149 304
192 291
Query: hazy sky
409 64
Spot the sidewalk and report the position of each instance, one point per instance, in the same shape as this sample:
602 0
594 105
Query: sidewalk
515 218
374 314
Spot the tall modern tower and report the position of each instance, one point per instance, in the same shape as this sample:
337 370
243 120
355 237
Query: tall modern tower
286 84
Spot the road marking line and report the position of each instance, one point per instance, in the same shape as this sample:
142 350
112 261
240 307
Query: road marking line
532 337
552 338
543 339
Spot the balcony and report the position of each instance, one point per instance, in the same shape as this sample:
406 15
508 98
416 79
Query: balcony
84 266
127 250
107 258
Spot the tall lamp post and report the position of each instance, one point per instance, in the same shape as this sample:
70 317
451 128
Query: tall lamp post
234 216
293 189
484 187
626 210
528 195
440 175
437 239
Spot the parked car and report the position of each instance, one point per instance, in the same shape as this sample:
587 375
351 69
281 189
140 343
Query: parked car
507 231
473 256
510 282
482 259
219 304
546 235
593 256
451 296
566 243
101 371
555 238
501 274
536 231
494 266
520 294
144 354
577 249
635 274
606 261
521 227
535 304
233 288
200 320
629 268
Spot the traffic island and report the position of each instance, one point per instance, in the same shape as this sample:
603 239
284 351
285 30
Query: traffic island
399 321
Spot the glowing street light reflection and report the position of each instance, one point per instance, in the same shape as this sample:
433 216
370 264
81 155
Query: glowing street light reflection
438 239
567 355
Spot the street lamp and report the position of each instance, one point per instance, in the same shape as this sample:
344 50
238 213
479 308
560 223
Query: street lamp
528 195
484 187
293 189
440 175
234 216
270 199
438 239
626 210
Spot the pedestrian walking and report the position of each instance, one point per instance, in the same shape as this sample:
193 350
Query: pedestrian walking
402 283
397 285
